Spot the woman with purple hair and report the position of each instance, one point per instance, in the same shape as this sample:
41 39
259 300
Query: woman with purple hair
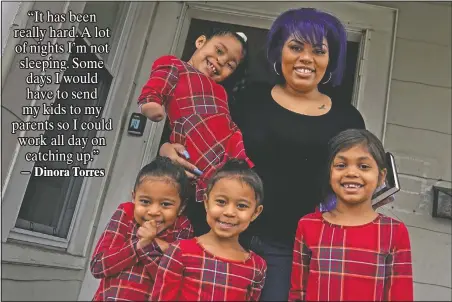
286 128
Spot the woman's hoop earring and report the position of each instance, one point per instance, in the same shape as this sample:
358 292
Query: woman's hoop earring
327 80
274 67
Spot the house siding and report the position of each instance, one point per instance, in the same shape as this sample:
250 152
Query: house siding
418 132
25 283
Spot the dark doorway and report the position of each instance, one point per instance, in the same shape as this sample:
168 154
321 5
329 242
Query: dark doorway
259 70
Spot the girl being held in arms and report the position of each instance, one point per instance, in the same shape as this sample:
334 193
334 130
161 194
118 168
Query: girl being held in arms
196 105
128 252
214 266
352 252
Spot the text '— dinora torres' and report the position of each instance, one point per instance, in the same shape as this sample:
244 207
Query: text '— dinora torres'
73 171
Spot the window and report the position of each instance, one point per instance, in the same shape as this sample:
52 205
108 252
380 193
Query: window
49 203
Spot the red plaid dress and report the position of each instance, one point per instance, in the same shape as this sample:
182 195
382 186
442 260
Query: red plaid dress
187 272
127 272
198 113
363 263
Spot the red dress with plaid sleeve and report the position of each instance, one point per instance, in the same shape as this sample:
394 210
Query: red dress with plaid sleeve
127 272
187 272
371 262
198 113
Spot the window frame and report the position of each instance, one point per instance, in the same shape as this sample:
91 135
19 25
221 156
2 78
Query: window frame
69 184
13 190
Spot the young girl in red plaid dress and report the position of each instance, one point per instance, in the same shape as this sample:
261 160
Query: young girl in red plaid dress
128 252
351 252
196 105
214 266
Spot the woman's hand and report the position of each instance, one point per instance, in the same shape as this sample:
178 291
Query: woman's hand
177 153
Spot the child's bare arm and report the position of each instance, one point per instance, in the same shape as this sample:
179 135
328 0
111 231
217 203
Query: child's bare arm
153 111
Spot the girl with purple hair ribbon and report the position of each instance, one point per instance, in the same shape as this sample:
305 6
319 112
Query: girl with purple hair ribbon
286 127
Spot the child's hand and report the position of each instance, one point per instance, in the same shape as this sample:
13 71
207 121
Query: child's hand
146 233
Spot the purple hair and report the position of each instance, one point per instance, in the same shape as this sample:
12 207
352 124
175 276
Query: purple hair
309 25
